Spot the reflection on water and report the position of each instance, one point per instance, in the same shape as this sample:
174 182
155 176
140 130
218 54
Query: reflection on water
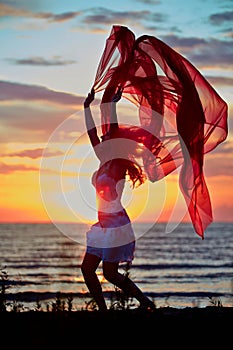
177 269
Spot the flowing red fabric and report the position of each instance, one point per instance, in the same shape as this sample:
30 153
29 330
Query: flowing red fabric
181 115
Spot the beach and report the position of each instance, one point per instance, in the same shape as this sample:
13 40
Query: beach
189 280
42 329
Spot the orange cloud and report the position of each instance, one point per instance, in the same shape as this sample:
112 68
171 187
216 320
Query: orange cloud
33 153
9 168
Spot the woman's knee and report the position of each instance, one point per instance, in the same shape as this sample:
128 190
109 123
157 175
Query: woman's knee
108 275
110 272
89 264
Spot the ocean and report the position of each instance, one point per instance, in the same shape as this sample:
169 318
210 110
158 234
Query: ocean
40 265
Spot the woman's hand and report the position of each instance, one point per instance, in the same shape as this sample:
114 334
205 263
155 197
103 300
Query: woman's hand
90 97
117 96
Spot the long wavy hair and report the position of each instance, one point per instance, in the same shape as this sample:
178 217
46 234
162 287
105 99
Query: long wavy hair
125 142
133 172
120 168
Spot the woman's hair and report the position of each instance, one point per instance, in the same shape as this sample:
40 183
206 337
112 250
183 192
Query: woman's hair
127 139
120 168
134 172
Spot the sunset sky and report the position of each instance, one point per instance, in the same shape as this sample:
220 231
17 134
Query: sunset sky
49 54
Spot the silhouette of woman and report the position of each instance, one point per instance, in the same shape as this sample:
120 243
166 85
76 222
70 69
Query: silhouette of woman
111 240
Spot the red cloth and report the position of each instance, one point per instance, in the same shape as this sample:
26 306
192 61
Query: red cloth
181 115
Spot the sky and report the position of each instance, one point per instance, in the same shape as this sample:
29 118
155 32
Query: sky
50 50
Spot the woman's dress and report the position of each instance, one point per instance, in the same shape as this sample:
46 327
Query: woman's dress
112 237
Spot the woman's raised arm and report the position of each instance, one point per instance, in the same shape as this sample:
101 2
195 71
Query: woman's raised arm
113 114
90 124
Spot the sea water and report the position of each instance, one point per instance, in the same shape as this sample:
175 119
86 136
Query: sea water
175 268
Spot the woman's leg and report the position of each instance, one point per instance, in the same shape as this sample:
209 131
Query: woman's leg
88 268
111 273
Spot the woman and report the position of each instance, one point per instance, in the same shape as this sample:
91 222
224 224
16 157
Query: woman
111 240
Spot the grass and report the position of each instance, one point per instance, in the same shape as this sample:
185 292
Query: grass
118 300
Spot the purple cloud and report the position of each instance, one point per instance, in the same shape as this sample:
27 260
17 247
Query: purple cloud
33 153
40 61
223 81
204 52
10 91
106 16
220 18
28 122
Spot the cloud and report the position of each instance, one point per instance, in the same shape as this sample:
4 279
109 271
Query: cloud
220 18
30 113
33 153
14 11
25 4
66 16
40 61
7 10
107 16
204 52
183 43
10 91
216 53
96 17
29 123
219 161
9 168
224 149
222 81
63 17
219 166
